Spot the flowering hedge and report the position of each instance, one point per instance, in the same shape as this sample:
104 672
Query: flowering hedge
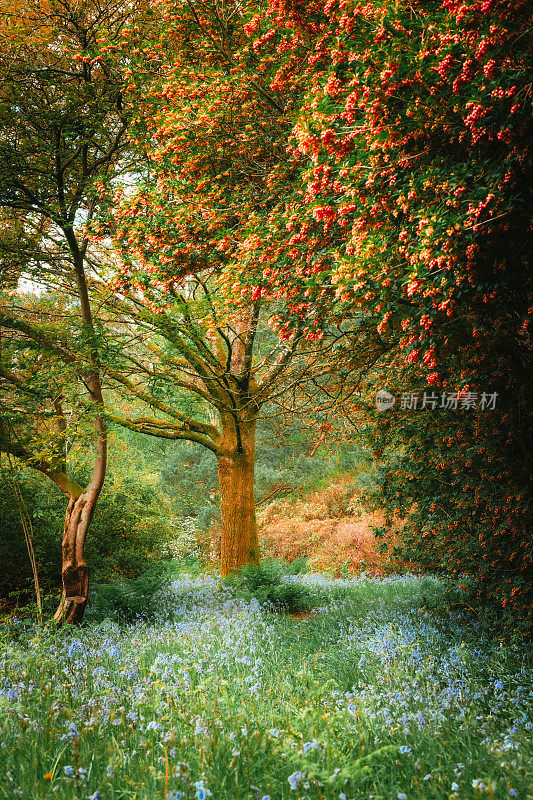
414 150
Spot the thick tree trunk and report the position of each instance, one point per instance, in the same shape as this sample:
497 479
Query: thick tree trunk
239 541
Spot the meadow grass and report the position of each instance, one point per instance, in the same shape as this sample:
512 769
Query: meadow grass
370 696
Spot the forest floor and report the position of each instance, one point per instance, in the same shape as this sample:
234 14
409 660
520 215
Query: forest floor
371 697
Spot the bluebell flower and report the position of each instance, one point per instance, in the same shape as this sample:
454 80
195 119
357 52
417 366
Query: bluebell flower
402 796
455 787
73 731
69 771
75 647
96 796
201 792
295 779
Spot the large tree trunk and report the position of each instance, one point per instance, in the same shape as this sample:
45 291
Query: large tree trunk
236 458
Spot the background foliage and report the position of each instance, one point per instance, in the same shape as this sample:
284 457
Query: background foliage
129 533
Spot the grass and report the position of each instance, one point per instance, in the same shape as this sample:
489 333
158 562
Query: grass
369 697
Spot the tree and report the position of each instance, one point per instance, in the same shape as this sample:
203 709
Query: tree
205 371
212 182
39 383
62 125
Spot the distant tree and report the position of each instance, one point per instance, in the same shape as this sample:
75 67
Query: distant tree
202 372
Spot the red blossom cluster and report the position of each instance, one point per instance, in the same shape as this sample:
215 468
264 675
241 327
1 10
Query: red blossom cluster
416 125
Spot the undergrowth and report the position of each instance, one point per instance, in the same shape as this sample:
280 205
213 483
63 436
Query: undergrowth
371 695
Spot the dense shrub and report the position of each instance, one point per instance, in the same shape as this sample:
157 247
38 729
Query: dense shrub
271 586
46 509
130 600
414 144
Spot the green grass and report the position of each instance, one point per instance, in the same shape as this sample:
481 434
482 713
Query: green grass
368 697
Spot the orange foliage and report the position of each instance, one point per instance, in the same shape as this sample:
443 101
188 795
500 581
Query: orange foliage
328 528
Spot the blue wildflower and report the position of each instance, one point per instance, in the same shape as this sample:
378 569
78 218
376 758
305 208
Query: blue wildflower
73 731
69 771
295 779
75 647
201 792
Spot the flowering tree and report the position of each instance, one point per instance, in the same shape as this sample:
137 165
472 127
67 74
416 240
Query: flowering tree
414 152
195 235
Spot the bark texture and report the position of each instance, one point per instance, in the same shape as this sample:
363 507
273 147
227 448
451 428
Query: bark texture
75 571
239 539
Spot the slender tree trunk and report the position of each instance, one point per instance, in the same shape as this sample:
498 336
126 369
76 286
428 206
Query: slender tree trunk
80 509
75 572
236 458
77 520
